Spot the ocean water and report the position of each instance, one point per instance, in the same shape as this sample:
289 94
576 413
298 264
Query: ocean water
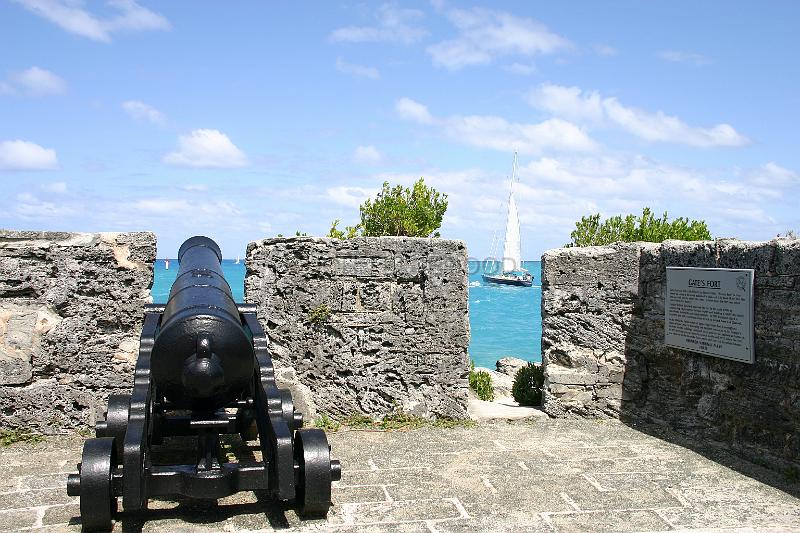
504 320
163 278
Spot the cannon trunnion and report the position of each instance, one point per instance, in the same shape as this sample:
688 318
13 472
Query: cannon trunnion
203 370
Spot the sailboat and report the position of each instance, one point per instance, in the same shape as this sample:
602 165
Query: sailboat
512 273
238 260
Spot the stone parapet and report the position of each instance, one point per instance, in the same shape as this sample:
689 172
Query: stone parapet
604 353
70 319
369 325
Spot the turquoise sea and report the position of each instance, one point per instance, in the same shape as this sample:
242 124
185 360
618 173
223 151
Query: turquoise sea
504 320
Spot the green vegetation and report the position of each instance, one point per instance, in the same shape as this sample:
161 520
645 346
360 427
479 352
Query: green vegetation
325 422
398 420
348 233
590 231
398 211
12 436
481 383
788 234
320 315
792 475
528 384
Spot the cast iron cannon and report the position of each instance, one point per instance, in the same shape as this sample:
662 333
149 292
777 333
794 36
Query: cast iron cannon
204 370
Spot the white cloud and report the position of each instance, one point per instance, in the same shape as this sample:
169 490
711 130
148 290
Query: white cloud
206 149
163 206
617 184
485 35
573 103
394 25
35 81
28 207
664 128
349 196
56 187
71 16
568 102
496 133
408 109
367 154
772 174
144 112
359 71
24 155
675 56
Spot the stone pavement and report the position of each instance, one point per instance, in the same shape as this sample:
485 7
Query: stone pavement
539 476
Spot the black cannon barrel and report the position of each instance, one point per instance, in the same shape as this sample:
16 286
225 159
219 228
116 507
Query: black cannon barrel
202 357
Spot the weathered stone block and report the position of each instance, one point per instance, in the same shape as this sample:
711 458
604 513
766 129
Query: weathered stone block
603 316
70 318
398 333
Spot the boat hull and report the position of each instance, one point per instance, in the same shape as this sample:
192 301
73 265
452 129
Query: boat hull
502 280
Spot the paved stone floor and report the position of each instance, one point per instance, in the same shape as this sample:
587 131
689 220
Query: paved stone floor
543 475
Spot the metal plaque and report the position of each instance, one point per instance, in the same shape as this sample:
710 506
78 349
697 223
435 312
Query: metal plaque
710 311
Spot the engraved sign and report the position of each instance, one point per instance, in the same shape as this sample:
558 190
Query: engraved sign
710 311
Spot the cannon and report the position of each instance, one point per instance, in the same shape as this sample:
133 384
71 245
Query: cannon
203 370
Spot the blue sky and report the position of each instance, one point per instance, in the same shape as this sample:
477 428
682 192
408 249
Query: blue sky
244 120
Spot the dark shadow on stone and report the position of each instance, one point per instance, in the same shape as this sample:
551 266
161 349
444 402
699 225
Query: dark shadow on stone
180 450
745 417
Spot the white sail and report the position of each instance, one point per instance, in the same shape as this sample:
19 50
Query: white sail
512 250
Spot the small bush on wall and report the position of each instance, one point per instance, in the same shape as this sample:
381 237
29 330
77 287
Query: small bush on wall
481 383
528 383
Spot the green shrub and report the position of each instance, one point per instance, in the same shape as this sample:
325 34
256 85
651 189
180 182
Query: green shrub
589 231
320 315
528 383
399 212
481 383
348 233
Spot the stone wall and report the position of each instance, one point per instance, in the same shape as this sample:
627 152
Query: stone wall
70 318
398 329
604 353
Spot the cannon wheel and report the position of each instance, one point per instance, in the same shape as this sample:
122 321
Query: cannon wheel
313 458
116 423
98 503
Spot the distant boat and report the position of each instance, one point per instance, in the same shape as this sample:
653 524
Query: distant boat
512 273
238 259
166 264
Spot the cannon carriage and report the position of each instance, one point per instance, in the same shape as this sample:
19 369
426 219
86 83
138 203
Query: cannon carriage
203 371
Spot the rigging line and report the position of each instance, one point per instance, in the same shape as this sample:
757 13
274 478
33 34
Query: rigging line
519 228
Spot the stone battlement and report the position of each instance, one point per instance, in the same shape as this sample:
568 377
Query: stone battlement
397 331
604 352
70 317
